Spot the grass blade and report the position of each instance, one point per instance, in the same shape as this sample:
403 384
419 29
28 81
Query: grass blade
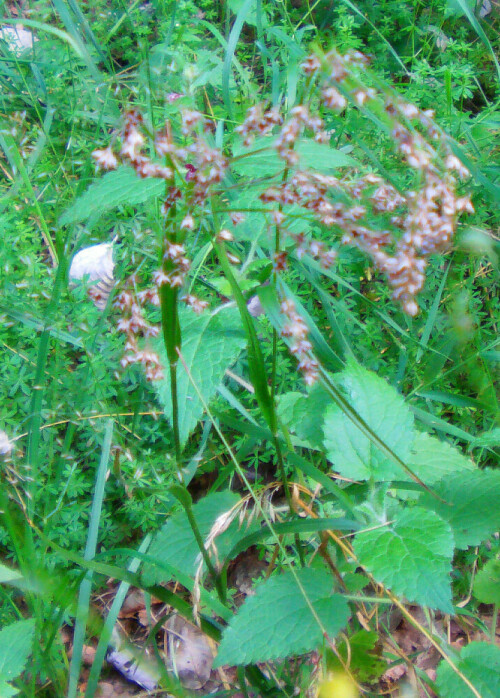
90 548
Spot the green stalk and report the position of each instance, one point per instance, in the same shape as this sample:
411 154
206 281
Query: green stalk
185 499
172 340
170 323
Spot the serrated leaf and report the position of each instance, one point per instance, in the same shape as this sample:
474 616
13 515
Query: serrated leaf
122 186
384 410
210 344
487 583
431 459
175 543
470 504
304 414
412 557
15 648
480 663
278 622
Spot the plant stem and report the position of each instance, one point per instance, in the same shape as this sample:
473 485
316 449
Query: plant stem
206 557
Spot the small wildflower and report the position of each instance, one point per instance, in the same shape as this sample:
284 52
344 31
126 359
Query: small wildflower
333 99
189 120
5 444
311 65
106 159
225 236
188 222
453 163
233 258
195 303
160 278
237 217
280 261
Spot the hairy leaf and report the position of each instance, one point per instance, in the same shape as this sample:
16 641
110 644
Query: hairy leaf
480 663
470 504
411 556
122 186
384 410
210 344
175 543
278 621
15 648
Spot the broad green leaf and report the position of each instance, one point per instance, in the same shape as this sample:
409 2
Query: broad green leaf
487 583
385 412
259 159
175 543
480 663
411 556
278 621
323 158
262 160
470 504
432 459
210 344
122 186
15 648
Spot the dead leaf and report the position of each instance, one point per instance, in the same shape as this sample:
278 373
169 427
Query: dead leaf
190 654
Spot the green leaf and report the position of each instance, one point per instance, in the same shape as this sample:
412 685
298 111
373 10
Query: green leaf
278 621
210 344
304 414
470 504
262 160
7 690
323 158
411 556
432 459
362 655
487 583
480 663
122 186
384 411
175 543
15 648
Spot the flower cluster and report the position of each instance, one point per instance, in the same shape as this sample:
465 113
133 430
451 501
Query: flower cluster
135 326
397 230
300 346
258 121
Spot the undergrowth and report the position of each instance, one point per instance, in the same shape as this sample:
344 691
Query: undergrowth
268 328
